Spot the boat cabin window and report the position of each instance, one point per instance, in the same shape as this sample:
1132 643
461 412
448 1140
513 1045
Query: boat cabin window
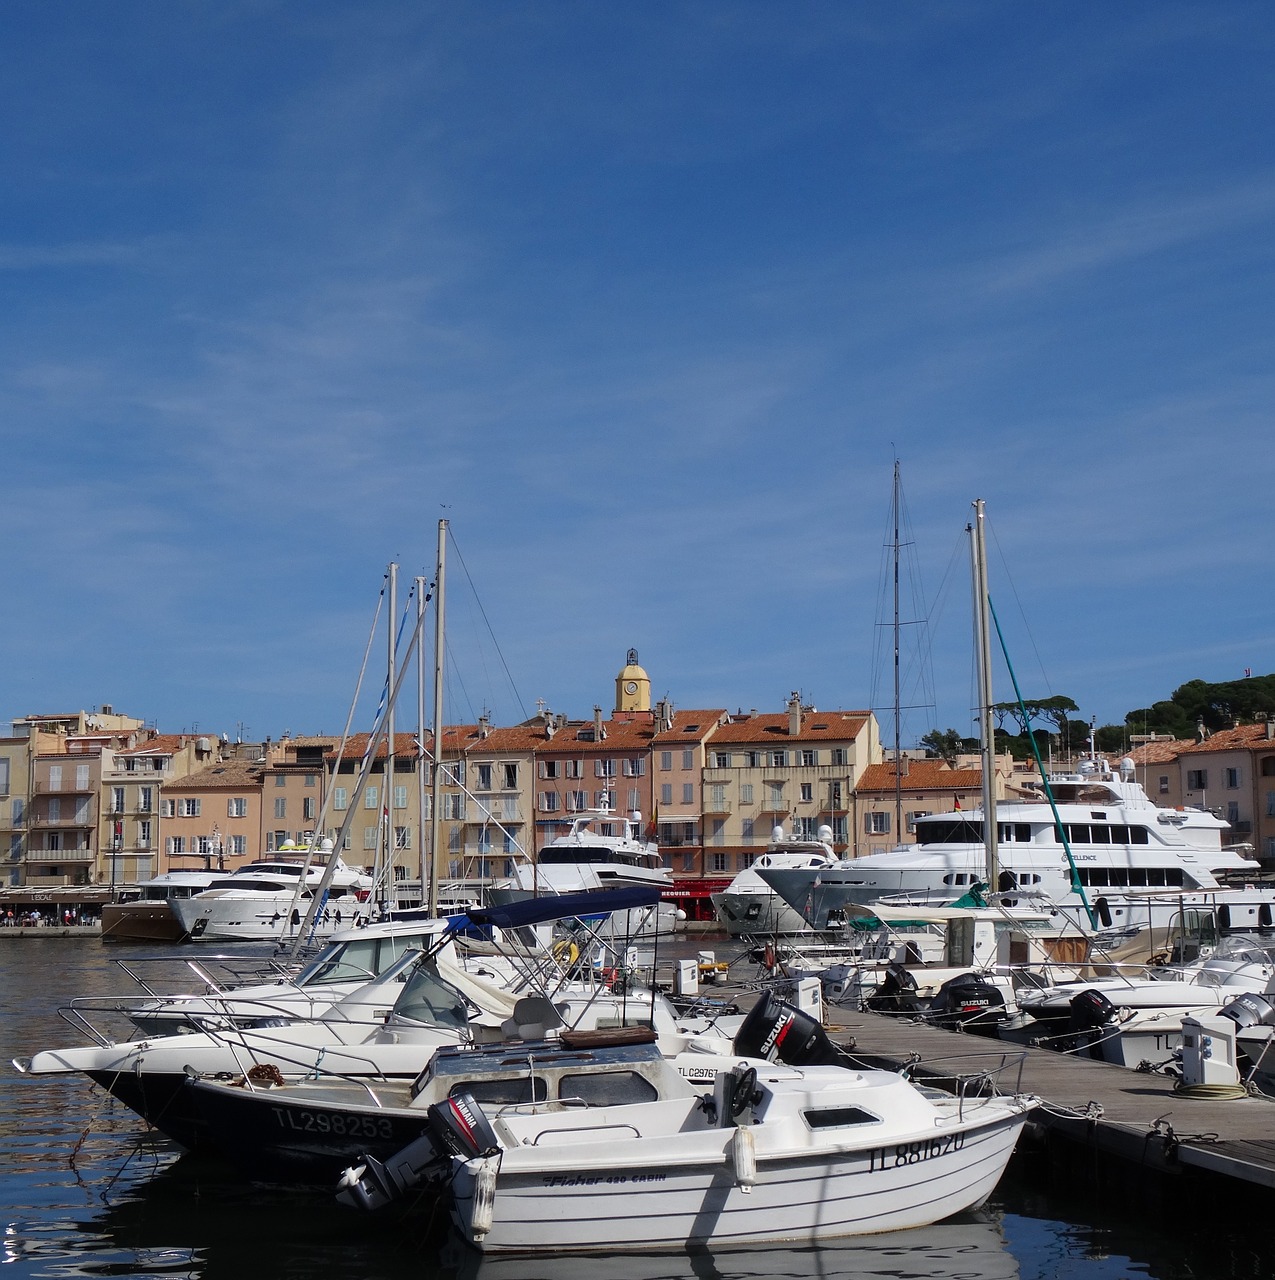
1103 833
569 855
1131 877
508 1093
608 1088
839 1117
428 999
960 831
360 958
1014 832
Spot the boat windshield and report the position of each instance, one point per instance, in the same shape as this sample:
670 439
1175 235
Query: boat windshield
588 853
359 959
428 999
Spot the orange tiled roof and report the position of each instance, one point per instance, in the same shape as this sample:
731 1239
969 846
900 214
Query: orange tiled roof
230 775
1159 752
921 775
771 730
691 726
1244 737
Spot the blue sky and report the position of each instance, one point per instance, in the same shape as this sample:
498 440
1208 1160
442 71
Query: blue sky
645 300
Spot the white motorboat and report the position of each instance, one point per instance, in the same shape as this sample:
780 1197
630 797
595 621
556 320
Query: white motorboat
564 1151
144 913
601 850
382 1029
267 900
749 907
1137 863
1134 1017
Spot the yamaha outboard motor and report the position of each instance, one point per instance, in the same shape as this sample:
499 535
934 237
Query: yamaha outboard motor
968 1003
779 1031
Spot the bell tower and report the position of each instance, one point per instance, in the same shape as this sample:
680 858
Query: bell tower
632 686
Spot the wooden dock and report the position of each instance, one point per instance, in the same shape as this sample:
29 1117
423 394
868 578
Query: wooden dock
1103 1122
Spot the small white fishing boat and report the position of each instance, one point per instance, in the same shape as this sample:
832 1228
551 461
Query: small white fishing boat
568 1149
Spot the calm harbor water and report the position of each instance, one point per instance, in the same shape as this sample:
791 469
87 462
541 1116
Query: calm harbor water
85 1192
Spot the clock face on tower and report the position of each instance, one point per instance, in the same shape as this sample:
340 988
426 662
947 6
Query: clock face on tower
631 687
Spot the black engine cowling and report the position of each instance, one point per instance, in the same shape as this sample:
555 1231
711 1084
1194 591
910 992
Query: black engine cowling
458 1126
773 1029
1090 1010
895 993
968 1002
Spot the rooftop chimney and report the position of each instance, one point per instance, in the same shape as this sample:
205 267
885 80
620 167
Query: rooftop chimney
794 714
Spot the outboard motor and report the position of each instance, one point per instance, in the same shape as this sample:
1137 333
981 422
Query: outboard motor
896 993
1091 1012
1249 1010
778 1031
459 1127
968 1003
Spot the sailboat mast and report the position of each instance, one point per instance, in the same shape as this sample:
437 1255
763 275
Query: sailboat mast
983 637
898 760
420 738
386 815
435 814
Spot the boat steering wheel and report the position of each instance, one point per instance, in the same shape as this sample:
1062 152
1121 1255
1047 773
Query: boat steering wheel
745 1092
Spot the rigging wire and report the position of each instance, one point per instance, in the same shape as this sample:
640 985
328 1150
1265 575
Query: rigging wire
478 601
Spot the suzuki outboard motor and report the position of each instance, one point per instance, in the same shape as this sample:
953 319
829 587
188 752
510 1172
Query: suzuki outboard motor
968 1003
775 1030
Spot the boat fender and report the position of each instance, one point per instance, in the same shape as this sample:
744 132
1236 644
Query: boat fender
743 1157
460 1127
1103 908
483 1209
1264 916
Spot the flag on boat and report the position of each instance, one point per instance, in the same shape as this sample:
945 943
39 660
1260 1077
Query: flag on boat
958 804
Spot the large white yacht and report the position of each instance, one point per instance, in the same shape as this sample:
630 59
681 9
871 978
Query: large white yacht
267 900
749 907
1126 850
601 850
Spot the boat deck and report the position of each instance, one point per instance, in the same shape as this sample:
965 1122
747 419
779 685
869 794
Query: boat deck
1137 1119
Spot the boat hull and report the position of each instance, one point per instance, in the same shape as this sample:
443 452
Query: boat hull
748 915
140 922
276 1138
668 1203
